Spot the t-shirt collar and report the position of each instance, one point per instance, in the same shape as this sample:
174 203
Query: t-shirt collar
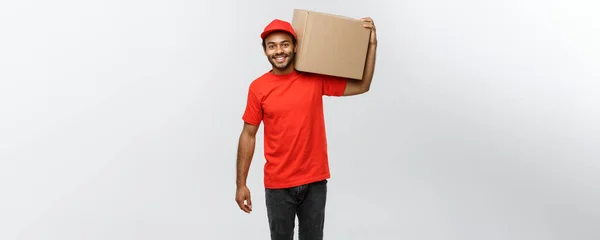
292 74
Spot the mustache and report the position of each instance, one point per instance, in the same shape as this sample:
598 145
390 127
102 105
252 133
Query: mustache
280 55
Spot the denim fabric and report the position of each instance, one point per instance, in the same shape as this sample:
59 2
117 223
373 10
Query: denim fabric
307 202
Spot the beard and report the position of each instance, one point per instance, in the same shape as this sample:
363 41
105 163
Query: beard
289 58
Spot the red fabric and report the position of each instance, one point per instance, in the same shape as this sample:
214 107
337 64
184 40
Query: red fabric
291 109
278 25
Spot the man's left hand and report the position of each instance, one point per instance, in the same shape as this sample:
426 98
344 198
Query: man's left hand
368 23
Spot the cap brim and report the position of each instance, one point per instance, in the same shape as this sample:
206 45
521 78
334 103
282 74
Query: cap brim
266 33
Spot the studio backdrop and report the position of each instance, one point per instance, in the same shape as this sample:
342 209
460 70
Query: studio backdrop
119 120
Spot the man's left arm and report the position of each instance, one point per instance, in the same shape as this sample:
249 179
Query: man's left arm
355 87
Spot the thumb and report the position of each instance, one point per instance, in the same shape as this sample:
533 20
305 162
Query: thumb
249 202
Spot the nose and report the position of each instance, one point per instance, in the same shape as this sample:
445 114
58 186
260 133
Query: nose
279 49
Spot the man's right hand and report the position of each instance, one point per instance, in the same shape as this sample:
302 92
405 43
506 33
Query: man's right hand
242 197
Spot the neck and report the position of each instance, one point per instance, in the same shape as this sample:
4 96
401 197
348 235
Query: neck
285 71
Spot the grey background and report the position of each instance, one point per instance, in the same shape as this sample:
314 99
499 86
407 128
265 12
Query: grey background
120 120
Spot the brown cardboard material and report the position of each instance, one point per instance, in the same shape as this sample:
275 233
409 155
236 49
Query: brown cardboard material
330 44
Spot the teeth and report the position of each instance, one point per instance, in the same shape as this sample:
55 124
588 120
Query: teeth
279 59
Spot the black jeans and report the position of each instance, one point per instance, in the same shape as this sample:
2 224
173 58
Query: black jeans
305 201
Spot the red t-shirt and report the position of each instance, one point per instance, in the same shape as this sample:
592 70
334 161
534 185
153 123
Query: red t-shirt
291 108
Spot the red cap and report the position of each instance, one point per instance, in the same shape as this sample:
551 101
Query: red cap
278 25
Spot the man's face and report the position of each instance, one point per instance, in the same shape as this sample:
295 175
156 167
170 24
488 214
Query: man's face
280 50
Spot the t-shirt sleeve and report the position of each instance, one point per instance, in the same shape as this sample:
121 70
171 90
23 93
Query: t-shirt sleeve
333 86
253 113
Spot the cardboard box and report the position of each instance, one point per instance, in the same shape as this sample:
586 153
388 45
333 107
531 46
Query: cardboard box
330 44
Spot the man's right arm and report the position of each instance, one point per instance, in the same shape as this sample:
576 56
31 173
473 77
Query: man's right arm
246 146
244 158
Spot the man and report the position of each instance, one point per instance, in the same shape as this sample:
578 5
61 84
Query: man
290 104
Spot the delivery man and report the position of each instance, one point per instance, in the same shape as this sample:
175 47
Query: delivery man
290 104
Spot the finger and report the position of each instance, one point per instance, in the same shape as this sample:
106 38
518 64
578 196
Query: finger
244 208
249 203
245 204
369 26
241 206
369 21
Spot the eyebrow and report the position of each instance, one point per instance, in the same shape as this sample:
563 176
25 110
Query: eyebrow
284 41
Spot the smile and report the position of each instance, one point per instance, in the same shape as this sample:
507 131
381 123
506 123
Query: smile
280 59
